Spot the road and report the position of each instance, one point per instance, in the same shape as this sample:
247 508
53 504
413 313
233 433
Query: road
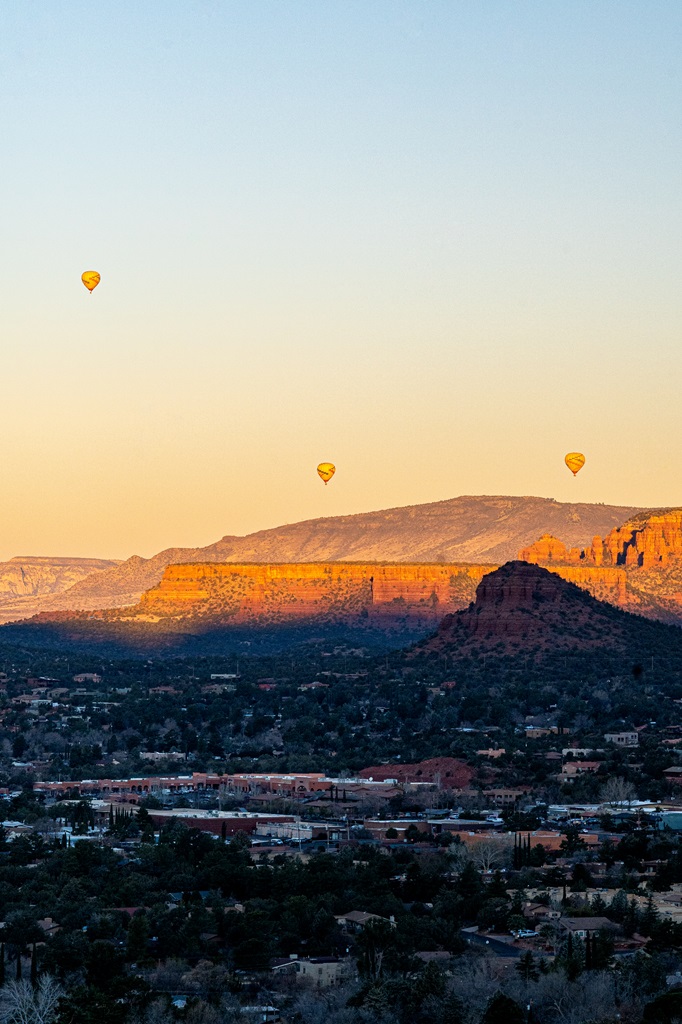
496 946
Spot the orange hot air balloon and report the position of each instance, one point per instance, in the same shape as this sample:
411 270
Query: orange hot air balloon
326 471
90 279
575 462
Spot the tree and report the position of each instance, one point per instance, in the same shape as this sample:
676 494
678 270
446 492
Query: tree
19 745
503 1010
617 792
491 853
20 1003
618 906
649 917
665 1009
527 967
450 1011
138 937
375 938
574 842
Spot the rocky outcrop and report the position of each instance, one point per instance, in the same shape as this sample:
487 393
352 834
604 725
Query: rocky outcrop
545 550
647 540
521 606
647 549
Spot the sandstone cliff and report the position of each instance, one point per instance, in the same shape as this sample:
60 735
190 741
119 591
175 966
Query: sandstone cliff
328 591
646 540
465 529
647 549
233 594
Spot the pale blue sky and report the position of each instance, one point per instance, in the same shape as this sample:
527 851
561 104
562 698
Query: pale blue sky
436 243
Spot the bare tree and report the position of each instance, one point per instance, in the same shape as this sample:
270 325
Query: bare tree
474 981
20 1003
157 1012
491 852
325 1007
46 827
617 792
590 997
204 1013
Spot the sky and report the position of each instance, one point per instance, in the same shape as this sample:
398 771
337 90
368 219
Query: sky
436 243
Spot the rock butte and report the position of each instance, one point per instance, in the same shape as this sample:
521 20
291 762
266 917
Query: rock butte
522 607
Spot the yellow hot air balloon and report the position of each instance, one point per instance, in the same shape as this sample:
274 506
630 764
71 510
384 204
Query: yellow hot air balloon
90 279
575 462
326 471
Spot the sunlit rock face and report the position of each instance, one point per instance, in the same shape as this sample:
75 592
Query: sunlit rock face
646 540
647 550
318 590
331 591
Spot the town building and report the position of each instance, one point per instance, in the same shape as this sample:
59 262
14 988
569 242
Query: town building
623 739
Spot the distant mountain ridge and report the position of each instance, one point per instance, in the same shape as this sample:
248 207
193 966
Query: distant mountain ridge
475 529
28 581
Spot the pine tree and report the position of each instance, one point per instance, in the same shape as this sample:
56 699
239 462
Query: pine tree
597 906
19 965
527 967
2 964
34 966
649 918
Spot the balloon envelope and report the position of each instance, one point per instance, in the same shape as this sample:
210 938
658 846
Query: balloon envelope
90 279
575 462
326 471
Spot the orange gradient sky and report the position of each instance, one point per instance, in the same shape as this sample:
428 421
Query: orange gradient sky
438 244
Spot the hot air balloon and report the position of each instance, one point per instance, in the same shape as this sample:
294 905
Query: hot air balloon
90 279
326 471
575 462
